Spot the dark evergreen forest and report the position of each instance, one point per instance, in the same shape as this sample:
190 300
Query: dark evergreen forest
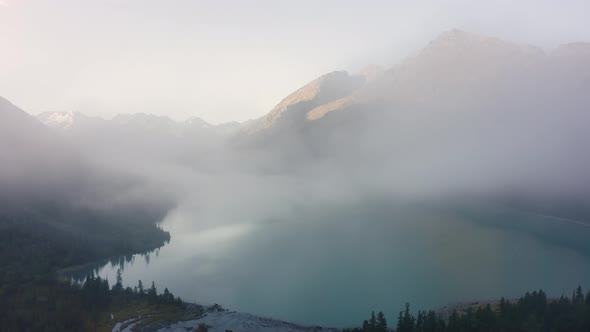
35 243
532 312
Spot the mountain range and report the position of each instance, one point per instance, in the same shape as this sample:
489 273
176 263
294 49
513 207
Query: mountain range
464 105
457 68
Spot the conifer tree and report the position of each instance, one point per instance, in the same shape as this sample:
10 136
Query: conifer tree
140 287
381 324
152 293
406 321
372 322
366 326
119 283
578 296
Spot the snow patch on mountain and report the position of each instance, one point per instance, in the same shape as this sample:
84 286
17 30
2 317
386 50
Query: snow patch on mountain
69 121
61 120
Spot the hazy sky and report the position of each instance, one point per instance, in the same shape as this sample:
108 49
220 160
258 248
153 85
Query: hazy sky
232 60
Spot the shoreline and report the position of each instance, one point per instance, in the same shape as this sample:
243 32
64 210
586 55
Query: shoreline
62 273
216 318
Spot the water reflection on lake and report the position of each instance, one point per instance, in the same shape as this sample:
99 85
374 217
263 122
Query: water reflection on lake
334 266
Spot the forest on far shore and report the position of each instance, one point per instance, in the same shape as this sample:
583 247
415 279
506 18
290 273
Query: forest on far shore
533 312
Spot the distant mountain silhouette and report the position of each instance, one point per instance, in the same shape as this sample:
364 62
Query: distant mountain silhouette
496 114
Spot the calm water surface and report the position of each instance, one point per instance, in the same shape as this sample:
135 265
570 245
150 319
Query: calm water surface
335 267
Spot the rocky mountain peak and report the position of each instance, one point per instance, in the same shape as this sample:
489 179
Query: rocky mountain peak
325 89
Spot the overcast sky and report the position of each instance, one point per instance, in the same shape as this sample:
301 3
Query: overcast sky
233 60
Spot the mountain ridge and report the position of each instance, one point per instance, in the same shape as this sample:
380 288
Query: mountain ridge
68 119
454 48
315 99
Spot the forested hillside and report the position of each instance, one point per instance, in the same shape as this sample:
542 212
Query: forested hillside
37 242
57 210
533 312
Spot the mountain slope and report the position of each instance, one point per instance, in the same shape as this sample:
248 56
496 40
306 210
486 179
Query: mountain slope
58 210
35 162
78 122
467 112
140 137
325 89
57 204
455 67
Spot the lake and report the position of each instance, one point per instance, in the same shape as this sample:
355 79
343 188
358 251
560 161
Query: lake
332 265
